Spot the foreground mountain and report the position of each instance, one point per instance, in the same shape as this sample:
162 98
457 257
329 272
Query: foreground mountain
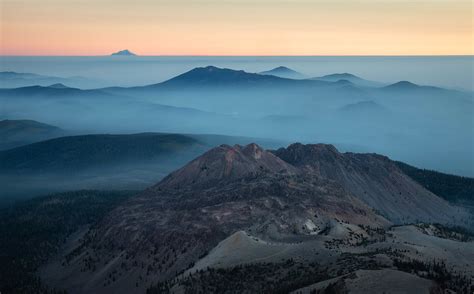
293 216
15 133
283 72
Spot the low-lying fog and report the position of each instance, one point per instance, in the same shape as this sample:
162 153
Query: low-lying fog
445 71
426 127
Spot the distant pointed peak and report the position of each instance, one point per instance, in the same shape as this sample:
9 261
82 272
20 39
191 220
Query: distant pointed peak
280 69
124 52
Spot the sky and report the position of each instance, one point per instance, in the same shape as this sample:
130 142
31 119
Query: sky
236 27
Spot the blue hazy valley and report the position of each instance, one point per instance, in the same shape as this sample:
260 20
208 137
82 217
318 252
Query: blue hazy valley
132 174
418 110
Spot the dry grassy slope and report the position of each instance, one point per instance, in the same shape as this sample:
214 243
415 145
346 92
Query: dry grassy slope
376 180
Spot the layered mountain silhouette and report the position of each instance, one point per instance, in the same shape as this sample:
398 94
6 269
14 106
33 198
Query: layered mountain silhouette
10 79
349 77
225 101
51 91
248 204
84 109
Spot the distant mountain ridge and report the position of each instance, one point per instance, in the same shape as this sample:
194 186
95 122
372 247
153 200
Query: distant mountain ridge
14 133
212 76
209 77
10 79
75 153
51 91
231 101
348 77
406 86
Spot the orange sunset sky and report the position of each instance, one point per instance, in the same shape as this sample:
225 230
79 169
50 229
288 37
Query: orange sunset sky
236 27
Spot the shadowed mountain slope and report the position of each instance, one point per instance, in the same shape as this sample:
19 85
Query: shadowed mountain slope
75 153
451 187
374 179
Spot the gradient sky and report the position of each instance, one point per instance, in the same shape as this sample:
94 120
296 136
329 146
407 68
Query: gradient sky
236 27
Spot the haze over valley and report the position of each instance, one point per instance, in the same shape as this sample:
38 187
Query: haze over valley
223 147
216 179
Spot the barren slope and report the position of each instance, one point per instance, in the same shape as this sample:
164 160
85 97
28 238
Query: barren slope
374 179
